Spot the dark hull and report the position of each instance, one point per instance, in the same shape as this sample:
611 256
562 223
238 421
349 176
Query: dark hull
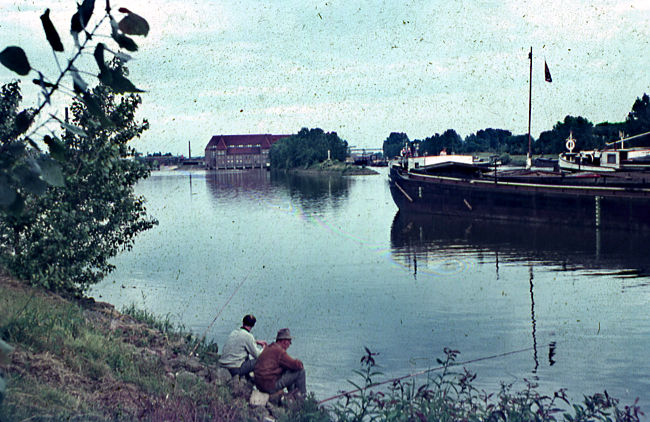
556 200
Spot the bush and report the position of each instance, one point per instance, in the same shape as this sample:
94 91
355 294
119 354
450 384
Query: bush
450 396
65 213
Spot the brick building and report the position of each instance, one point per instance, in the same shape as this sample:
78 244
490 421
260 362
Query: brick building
239 151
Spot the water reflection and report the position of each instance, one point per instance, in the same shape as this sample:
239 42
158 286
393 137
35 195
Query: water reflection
313 191
333 248
235 182
424 238
309 192
532 318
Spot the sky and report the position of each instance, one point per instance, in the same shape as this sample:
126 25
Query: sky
362 68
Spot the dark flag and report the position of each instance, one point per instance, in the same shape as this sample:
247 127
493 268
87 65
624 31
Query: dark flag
547 73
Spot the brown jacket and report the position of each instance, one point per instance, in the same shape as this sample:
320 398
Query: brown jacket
270 365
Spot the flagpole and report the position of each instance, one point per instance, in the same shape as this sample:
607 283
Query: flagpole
529 160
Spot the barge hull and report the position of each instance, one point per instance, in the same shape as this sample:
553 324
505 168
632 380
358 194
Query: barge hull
484 199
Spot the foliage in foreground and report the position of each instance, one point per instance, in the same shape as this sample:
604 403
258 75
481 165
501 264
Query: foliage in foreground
65 213
450 396
65 237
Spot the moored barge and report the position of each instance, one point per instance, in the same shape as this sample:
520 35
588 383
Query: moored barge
460 188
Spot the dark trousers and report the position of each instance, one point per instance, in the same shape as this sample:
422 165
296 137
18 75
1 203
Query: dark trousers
292 380
244 369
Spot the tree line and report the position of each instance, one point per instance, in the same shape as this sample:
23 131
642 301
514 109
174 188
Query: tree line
499 141
307 147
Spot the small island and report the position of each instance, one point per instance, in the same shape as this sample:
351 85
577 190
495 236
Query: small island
314 151
335 167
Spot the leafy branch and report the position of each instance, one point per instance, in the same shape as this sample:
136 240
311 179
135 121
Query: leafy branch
24 169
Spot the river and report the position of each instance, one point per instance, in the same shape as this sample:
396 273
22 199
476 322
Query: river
332 259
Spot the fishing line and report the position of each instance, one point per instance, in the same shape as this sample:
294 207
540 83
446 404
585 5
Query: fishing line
392 380
219 313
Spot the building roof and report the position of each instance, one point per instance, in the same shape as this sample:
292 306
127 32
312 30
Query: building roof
223 142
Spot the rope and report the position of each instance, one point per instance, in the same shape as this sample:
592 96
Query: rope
345 393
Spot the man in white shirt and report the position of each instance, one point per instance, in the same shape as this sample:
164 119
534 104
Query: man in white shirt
241 350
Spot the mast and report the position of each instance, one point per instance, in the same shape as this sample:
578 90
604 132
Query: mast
529 160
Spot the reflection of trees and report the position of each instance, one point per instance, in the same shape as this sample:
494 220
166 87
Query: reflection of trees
313 191
309 191
430 237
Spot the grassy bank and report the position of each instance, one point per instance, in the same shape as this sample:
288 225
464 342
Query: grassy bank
335 167
83 360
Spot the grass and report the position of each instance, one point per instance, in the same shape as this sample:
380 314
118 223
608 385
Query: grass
163 324
336 167
79 360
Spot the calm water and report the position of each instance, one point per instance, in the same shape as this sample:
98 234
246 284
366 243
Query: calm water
332 259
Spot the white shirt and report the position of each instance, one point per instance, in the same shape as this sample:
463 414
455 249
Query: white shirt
239 346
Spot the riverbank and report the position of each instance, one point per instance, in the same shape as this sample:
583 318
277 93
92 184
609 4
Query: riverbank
337 168
78 359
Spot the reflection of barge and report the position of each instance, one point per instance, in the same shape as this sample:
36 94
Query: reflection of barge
476 191
423 237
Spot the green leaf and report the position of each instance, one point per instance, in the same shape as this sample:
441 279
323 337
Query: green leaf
57 150
15 59
16 208
7 192
117 82
5 351
33 143
72 128
29 177
124 42
23 121
133 24
50 32
82 17
99 57
51 171
79 84
93 108
41 82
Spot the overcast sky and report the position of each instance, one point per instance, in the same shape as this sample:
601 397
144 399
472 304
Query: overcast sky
363 68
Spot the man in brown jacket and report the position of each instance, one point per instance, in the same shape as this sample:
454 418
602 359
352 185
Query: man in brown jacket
275 369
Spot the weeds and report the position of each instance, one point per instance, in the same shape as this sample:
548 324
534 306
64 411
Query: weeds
75 362
146 317
450 396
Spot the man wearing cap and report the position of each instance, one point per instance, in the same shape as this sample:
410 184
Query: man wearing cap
275 369
241 350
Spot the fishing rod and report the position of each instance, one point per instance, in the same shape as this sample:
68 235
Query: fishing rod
392 380
219 313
